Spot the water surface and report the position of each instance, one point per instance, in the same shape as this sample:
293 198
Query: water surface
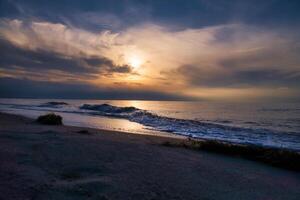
274 124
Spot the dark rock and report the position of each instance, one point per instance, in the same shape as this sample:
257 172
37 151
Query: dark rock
50 119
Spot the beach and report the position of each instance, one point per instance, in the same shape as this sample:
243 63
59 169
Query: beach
65 162
149 100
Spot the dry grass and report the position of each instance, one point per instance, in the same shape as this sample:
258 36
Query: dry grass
282 158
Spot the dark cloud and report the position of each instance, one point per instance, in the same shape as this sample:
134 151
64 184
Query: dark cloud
87 17
94 15
24 88
119 14
42 60
107 65
265 77
206 77
122 69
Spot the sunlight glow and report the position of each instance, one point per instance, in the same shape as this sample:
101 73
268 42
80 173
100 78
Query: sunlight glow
135 62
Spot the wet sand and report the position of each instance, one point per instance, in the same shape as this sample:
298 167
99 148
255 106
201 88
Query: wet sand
62 162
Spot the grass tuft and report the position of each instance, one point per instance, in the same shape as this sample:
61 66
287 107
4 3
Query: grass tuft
282 158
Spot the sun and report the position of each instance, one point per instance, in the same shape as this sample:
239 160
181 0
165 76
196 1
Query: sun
135 62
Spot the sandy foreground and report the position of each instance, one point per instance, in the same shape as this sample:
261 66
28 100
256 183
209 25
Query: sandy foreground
58 162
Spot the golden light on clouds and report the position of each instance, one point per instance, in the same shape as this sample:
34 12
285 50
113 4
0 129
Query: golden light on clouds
196 62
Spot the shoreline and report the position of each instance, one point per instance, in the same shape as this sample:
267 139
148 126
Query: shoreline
162 125
156 134
63 162
171 135
278 157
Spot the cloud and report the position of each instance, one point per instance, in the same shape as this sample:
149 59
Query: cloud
25 88
54 37
241 78
31 49
223 56
226 57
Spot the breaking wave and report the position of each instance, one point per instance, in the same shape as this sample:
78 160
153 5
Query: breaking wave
54 104
192 128
252 132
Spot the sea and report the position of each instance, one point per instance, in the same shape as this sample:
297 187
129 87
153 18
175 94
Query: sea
256 123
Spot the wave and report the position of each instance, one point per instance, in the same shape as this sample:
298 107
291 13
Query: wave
249 132
192 128
109 109
54 104
150 119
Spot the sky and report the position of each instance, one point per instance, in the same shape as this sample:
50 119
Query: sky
151 50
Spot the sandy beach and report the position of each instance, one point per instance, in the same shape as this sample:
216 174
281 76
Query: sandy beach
62 162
